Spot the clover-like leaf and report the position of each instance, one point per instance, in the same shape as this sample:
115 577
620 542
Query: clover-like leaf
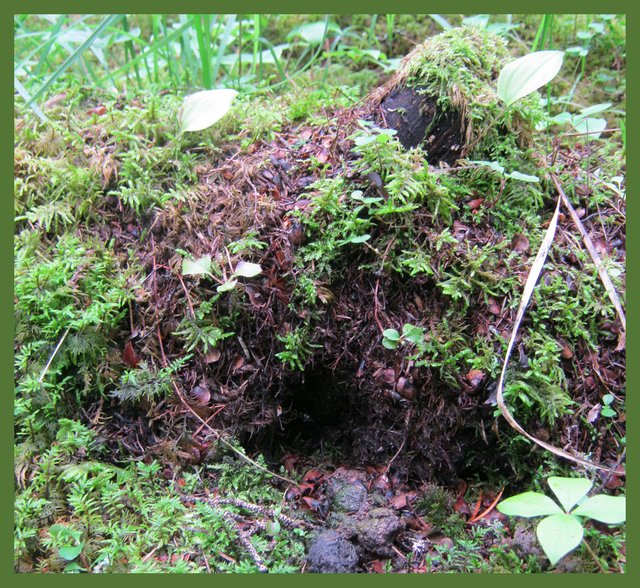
606 509
529 504
569 490
558 535
527 74
202 109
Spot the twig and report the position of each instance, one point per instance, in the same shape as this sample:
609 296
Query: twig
602 272
55 351
593 556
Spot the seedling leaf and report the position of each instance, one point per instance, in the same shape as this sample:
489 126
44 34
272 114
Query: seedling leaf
529 504
516 175
558 535
196 267
606 509
202 109
230 285
569 490
247 270
526 74
592 126
391 334
70 552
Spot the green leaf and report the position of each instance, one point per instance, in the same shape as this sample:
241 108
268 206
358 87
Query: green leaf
70 552
528 504
391 334
272 528
359 239
516 175
569 490
595 109
526 74
593 126
389 344
196 267
202 109
413 333
247 270
494 165
230 285
606 509
608 412
558 535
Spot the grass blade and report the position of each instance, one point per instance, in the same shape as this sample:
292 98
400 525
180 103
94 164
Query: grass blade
75 56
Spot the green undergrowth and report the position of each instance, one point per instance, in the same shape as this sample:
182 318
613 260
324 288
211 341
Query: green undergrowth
79 513
411 226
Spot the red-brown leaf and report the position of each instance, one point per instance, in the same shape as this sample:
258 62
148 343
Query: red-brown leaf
129 355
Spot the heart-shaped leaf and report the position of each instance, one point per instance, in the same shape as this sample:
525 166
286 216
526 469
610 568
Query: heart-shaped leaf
527 74
558 535
529 504
606 509
569 490
202 109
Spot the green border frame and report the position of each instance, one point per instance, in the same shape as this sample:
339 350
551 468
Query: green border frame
290 6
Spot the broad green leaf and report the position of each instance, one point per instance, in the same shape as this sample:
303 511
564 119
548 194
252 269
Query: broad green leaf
202 109
526 74
413 333
595 109
359 239
569 490
593 126
230 285
516 175
314 32
247 270
391 334
528 504
70 552
558 535
196 267
606 509
389 344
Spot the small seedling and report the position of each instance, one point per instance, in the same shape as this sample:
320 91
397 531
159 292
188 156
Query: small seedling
391 338
561 531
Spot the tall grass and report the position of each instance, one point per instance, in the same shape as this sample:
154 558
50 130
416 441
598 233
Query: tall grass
193 51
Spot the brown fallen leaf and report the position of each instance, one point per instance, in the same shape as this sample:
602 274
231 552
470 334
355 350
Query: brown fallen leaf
475 377
519 243
212 356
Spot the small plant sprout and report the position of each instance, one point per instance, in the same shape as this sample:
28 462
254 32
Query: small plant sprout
202 266
201 110
526 74
392 338
561 531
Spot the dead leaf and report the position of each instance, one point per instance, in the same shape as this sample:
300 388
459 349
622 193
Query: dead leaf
129 356
98 110
202 395
475 377
519 243
212 356
475 203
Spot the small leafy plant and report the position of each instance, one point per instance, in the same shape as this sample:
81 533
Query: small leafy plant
410 333
561 531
